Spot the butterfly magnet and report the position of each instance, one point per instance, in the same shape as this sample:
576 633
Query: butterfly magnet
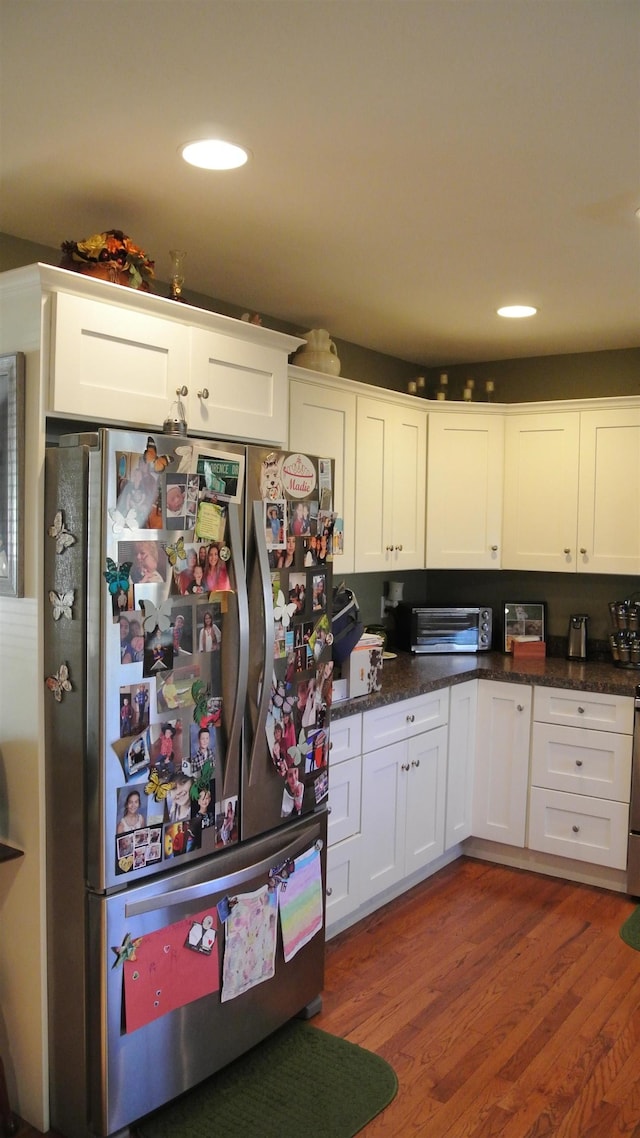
59 683
156 463
59 531
62 604
176 552
118 580
156 616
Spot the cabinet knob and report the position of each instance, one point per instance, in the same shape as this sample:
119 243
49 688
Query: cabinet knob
415 762
328 809
405 767
581 711
411 718
582 550
578 762
328 890
204 394
389 548
184 390
576 829
494 548
519 707
566 550
398 548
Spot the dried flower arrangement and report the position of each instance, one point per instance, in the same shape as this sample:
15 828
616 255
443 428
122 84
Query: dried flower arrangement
110 255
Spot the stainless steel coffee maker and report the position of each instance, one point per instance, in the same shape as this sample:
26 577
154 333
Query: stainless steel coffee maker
577 636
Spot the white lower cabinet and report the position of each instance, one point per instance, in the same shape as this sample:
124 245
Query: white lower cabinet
344 833
581 776
501 776
403 791
460 767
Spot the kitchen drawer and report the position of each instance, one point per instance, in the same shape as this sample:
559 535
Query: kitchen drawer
343 879
584 709
345 792
399 721
574 826
346 738
597 763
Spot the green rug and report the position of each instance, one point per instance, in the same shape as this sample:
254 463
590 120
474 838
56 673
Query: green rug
300 1081
630 931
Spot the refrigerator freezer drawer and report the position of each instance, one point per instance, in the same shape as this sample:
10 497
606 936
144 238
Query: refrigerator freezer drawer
132 1072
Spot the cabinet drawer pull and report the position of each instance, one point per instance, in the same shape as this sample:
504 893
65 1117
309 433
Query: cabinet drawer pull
184 390
411 718
204 394
415 762
581 711
576 829
405 767
329 890
578 762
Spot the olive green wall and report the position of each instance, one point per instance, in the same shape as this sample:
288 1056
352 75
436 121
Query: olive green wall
563 594
579 376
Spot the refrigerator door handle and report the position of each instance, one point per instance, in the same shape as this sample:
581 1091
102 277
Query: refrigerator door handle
230 881
262 562
232 768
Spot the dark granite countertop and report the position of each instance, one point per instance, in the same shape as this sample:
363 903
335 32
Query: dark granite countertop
408 676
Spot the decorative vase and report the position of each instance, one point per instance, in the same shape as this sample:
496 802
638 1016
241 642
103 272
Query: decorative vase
320 353
105 271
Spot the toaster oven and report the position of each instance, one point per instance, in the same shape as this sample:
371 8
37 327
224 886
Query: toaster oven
435 629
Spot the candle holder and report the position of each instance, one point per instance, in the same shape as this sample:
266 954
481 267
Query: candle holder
178 258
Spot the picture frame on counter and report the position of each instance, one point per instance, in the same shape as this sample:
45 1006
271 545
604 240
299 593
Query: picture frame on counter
12 443
525 620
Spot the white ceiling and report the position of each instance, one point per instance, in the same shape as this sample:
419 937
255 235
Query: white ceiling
415 163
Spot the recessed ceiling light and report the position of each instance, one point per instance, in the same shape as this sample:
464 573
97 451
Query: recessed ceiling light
516 311
214 154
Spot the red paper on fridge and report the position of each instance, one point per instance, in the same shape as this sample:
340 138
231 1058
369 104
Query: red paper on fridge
170 968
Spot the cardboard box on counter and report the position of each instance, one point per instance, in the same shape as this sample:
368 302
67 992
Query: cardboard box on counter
364 667
523 647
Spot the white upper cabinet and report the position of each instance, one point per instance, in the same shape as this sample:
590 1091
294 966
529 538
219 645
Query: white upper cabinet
572 491
541 492
609 494
465 459
322 421
390 486
116 355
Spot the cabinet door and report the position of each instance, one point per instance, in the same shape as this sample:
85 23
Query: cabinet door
344 867
609 497
237 389
426 791
115 363
502 762
541 492
460 768
409 479
322 421
345 784
390 486
384 791
464 491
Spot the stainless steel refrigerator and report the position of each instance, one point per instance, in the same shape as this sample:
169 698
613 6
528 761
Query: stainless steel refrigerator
187 653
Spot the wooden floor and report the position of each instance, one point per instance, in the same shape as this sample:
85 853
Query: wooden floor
505 1001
